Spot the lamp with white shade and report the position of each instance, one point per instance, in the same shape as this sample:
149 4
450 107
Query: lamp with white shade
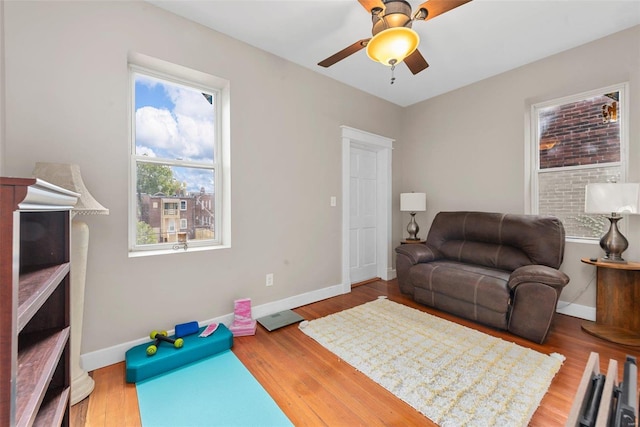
614 200
412 203
68 176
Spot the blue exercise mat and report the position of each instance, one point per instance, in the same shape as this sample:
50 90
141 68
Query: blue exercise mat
217 391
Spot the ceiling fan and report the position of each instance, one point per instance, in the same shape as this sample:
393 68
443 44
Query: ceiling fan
393 39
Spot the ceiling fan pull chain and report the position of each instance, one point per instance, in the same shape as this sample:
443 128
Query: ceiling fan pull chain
393 67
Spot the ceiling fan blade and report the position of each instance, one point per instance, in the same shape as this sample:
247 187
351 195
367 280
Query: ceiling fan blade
416 62
370 4
438 7
360 44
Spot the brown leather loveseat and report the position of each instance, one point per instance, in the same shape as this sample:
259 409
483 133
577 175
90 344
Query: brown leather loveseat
497 269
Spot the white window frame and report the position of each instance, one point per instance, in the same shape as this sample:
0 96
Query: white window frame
532 137
183 203
183 224
220 89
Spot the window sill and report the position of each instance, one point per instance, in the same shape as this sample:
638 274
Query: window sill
585 240
137 254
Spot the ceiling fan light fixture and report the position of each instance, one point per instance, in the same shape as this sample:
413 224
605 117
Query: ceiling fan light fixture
393 45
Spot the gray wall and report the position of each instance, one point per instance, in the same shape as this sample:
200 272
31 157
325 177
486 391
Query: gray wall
466 148
67 101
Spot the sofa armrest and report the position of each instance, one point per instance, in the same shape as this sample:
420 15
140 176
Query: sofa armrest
538 274
419 252
535 293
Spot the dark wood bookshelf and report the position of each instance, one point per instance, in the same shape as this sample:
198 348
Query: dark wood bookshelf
35 226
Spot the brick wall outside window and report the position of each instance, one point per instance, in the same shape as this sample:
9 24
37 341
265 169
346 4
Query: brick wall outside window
561 193
578 135
576 147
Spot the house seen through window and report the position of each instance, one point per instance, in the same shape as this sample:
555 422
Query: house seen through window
578 140
174 162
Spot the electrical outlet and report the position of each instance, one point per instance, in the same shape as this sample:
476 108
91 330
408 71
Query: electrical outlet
269 281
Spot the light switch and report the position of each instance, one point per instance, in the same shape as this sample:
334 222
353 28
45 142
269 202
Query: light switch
333 201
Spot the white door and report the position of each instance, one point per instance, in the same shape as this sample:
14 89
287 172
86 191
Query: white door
362 224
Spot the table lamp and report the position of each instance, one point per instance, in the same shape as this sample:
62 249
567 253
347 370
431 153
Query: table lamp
614 200
412 203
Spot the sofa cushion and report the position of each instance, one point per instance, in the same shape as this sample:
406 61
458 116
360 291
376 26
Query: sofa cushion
478 285
463 309
495 240
484 253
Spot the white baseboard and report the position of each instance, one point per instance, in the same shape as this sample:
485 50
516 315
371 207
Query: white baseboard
576 310
391 274
108 356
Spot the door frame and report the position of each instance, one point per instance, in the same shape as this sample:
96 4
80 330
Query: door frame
383 147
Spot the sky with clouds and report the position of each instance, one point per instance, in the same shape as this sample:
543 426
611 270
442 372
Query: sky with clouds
176 123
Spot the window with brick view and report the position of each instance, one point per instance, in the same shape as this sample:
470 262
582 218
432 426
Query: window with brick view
578 141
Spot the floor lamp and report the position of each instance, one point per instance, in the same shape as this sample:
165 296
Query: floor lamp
68 176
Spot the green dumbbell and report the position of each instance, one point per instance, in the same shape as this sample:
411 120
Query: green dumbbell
159 337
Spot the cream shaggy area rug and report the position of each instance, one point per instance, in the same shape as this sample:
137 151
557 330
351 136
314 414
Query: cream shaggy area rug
452 374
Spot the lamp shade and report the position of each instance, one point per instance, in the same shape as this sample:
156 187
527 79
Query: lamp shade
68 176
393 45
609 198
413 202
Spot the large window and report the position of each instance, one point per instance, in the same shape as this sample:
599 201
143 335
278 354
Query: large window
176 165
577 140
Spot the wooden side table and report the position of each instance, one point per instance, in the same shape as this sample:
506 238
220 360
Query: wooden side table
409 242
617 302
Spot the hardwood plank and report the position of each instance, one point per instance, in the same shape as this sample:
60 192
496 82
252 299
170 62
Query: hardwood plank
97 401
78 413
314 387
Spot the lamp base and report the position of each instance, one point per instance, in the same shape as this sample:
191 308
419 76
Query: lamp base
614 243
613 261
81 387
413 228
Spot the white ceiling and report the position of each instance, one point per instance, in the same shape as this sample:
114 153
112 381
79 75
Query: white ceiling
470 43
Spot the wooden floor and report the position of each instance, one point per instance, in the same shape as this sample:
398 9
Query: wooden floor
314 388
